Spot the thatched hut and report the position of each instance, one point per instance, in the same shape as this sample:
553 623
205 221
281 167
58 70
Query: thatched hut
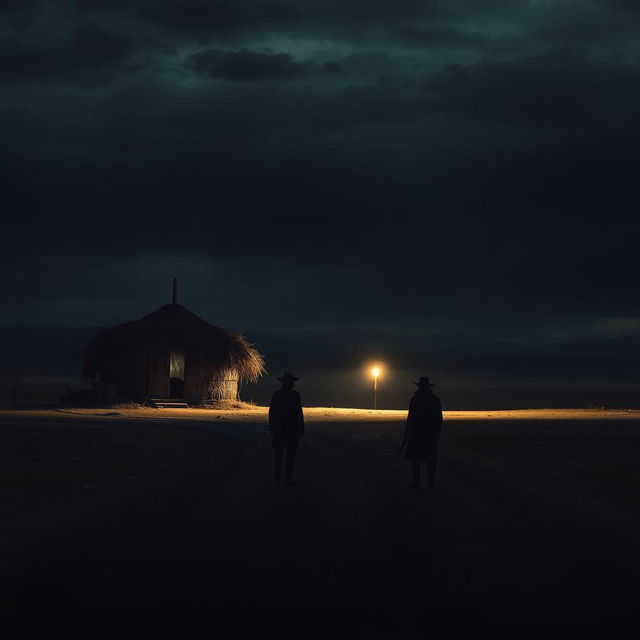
172 354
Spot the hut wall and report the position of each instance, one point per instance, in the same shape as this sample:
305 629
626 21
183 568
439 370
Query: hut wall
193 380
159 375
200 387
134 387
129 373
223 389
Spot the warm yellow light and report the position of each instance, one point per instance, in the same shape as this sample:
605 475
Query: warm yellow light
375 372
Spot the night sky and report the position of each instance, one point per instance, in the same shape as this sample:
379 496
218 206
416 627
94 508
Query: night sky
454 168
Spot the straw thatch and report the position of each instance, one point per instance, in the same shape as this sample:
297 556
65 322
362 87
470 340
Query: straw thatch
136 357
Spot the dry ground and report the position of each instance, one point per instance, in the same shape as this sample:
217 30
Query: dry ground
253 413
158 520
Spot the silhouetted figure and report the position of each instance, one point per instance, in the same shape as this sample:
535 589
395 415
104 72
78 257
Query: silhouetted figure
421 433
286 423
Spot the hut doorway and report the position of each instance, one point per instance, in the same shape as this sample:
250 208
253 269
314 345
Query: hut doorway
176 374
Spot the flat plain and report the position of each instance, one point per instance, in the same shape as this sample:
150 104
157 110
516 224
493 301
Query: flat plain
168 522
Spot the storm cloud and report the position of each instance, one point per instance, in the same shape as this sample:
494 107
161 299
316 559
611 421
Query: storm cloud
88 56
246 65
411 163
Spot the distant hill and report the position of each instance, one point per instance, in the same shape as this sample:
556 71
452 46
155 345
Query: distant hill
42 348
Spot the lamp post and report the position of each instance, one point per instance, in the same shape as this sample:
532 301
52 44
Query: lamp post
375 372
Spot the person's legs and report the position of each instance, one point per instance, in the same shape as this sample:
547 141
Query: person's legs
289 461
431 470
278 452
432 463
415 468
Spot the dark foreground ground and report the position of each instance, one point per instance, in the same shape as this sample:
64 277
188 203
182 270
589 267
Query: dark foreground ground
141 529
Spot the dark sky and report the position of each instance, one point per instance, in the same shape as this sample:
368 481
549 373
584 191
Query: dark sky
454 167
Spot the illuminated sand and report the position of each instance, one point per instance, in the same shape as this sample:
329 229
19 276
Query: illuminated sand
250 413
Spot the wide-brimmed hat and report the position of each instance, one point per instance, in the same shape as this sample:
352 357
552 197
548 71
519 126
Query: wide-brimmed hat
287 376
424 382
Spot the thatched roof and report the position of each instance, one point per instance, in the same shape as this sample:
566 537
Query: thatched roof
175 328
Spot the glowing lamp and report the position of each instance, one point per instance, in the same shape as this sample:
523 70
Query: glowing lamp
375 374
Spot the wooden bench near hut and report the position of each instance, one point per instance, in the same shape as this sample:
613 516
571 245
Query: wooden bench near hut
172 357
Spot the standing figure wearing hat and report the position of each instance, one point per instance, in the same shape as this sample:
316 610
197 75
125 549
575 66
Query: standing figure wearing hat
421 433
286 423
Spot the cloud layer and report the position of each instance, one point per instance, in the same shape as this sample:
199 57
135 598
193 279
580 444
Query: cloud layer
400 161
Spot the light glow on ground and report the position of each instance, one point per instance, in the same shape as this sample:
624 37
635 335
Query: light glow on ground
253 413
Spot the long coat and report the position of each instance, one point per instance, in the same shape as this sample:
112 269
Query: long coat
286 420
423 428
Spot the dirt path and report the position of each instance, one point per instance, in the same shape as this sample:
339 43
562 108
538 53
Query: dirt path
514 547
